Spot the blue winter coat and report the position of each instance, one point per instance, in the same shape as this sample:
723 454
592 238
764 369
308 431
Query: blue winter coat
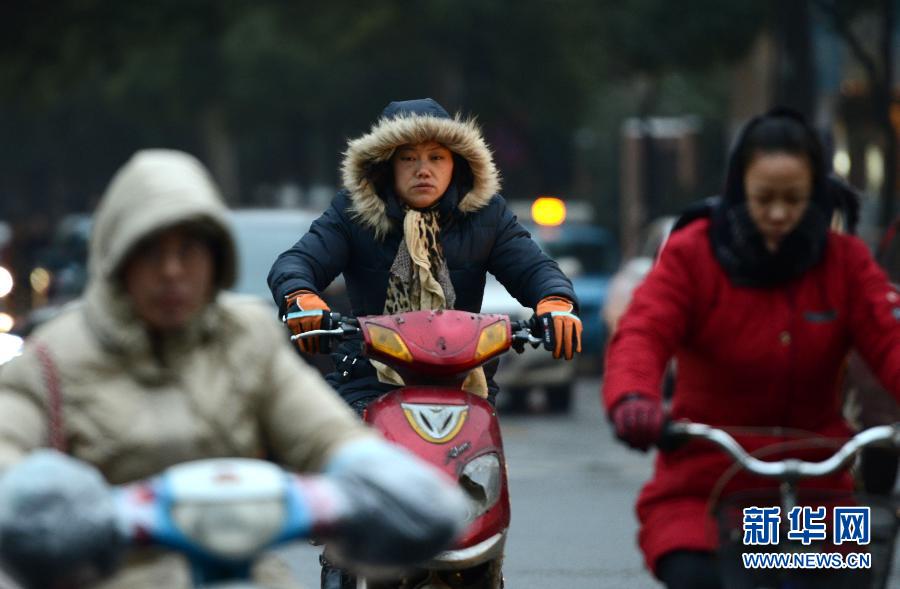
360 233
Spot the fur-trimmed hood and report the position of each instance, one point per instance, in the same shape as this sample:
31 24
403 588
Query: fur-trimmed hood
415 121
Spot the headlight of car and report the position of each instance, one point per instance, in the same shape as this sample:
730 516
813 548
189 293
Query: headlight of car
10 347
6 322
233 530
481 480
6 282
40 279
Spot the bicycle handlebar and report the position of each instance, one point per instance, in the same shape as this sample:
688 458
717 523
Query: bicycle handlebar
791 468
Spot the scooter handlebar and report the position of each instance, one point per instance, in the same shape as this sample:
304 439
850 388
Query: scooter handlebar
335 325
211 502
675 432
523 333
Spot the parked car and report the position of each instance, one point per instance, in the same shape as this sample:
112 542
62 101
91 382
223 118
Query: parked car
519 374
261 235
586 252
589 255
633 271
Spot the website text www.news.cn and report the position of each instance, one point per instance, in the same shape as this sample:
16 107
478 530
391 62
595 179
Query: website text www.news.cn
850 525
806 560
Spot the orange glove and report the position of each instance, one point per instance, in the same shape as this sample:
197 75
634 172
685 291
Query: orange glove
561 327
304 313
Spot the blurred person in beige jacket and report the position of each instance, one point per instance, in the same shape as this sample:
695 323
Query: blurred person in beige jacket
156 365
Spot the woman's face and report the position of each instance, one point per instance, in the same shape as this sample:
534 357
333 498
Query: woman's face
778 186
169 279
422 173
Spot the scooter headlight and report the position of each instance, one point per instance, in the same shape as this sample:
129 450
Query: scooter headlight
230 508
481 480
493 339
236 530
389 342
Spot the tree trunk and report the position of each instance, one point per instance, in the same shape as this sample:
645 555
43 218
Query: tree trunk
796 76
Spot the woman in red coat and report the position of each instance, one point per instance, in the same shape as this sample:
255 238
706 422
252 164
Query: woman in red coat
759 303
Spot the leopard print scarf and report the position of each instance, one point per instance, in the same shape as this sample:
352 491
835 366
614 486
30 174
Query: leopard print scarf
420 280
419 276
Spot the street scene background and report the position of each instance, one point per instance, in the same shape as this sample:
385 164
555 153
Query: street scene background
626 108
619 113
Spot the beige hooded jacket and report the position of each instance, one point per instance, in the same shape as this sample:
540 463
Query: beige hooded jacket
229 385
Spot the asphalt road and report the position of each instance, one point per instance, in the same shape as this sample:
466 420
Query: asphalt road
572 489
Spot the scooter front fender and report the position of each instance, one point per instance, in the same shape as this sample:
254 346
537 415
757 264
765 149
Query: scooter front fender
448 428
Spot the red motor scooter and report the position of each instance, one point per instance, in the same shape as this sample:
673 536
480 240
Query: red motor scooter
458 432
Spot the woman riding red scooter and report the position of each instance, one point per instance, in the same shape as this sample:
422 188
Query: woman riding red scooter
418 225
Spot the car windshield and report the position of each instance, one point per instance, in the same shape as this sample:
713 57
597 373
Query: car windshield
261 236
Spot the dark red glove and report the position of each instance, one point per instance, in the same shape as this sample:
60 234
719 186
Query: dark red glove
638 421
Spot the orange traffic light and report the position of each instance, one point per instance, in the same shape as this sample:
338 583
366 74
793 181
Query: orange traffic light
548 211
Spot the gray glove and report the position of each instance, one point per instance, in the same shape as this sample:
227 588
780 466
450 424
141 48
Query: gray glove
57 522
394 508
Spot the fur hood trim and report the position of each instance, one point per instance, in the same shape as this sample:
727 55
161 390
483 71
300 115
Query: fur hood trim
462 137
